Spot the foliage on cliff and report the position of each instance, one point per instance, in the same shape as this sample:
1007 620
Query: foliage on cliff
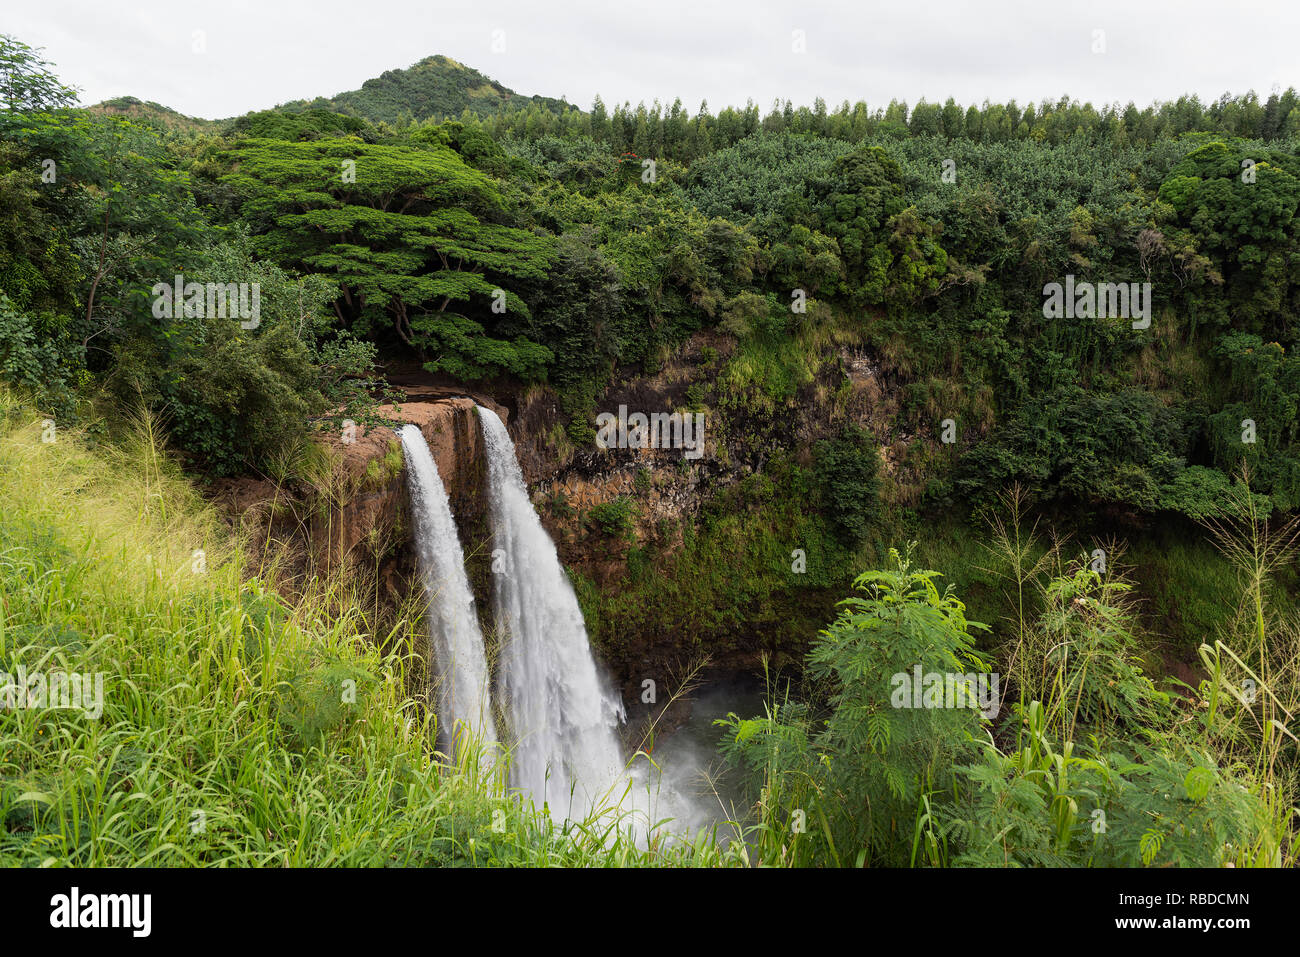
529 242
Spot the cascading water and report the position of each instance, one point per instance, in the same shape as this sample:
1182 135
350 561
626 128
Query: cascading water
562 718
464 697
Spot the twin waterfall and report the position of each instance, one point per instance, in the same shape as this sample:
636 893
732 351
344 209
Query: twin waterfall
559 720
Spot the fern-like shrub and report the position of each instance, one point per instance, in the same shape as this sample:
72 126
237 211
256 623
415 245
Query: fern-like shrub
1156 802
845 787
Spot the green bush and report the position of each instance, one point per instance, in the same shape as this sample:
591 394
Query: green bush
615 516
1048 804
855 775
233 400
38 356
847 472
237 398
858 775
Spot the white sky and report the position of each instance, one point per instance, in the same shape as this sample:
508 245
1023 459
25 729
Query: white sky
263 52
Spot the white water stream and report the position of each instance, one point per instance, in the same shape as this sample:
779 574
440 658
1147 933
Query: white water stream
463 693
563 718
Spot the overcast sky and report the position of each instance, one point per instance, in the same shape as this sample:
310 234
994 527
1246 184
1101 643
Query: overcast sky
258 53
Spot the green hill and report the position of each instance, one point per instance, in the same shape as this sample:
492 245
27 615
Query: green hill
151 114
437 86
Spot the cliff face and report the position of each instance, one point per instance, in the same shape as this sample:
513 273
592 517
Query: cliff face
372 528
373 491
622 517
354 517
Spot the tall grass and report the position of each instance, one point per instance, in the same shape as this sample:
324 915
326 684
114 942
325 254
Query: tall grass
1253 690
1074 636
237 729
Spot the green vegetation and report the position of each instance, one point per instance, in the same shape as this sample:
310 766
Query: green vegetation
528 242
847 470
734 580
403 242
435 88
614 517
1089 766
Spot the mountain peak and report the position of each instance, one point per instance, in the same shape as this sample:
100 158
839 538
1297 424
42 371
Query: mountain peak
435 87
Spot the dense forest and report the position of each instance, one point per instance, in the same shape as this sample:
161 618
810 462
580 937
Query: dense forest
1111 483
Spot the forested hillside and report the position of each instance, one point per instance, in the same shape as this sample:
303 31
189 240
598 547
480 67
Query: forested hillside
434 89
612 238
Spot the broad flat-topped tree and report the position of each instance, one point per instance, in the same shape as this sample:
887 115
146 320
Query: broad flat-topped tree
407 232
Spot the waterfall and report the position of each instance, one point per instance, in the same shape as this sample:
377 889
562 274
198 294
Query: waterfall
465 704
562 718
